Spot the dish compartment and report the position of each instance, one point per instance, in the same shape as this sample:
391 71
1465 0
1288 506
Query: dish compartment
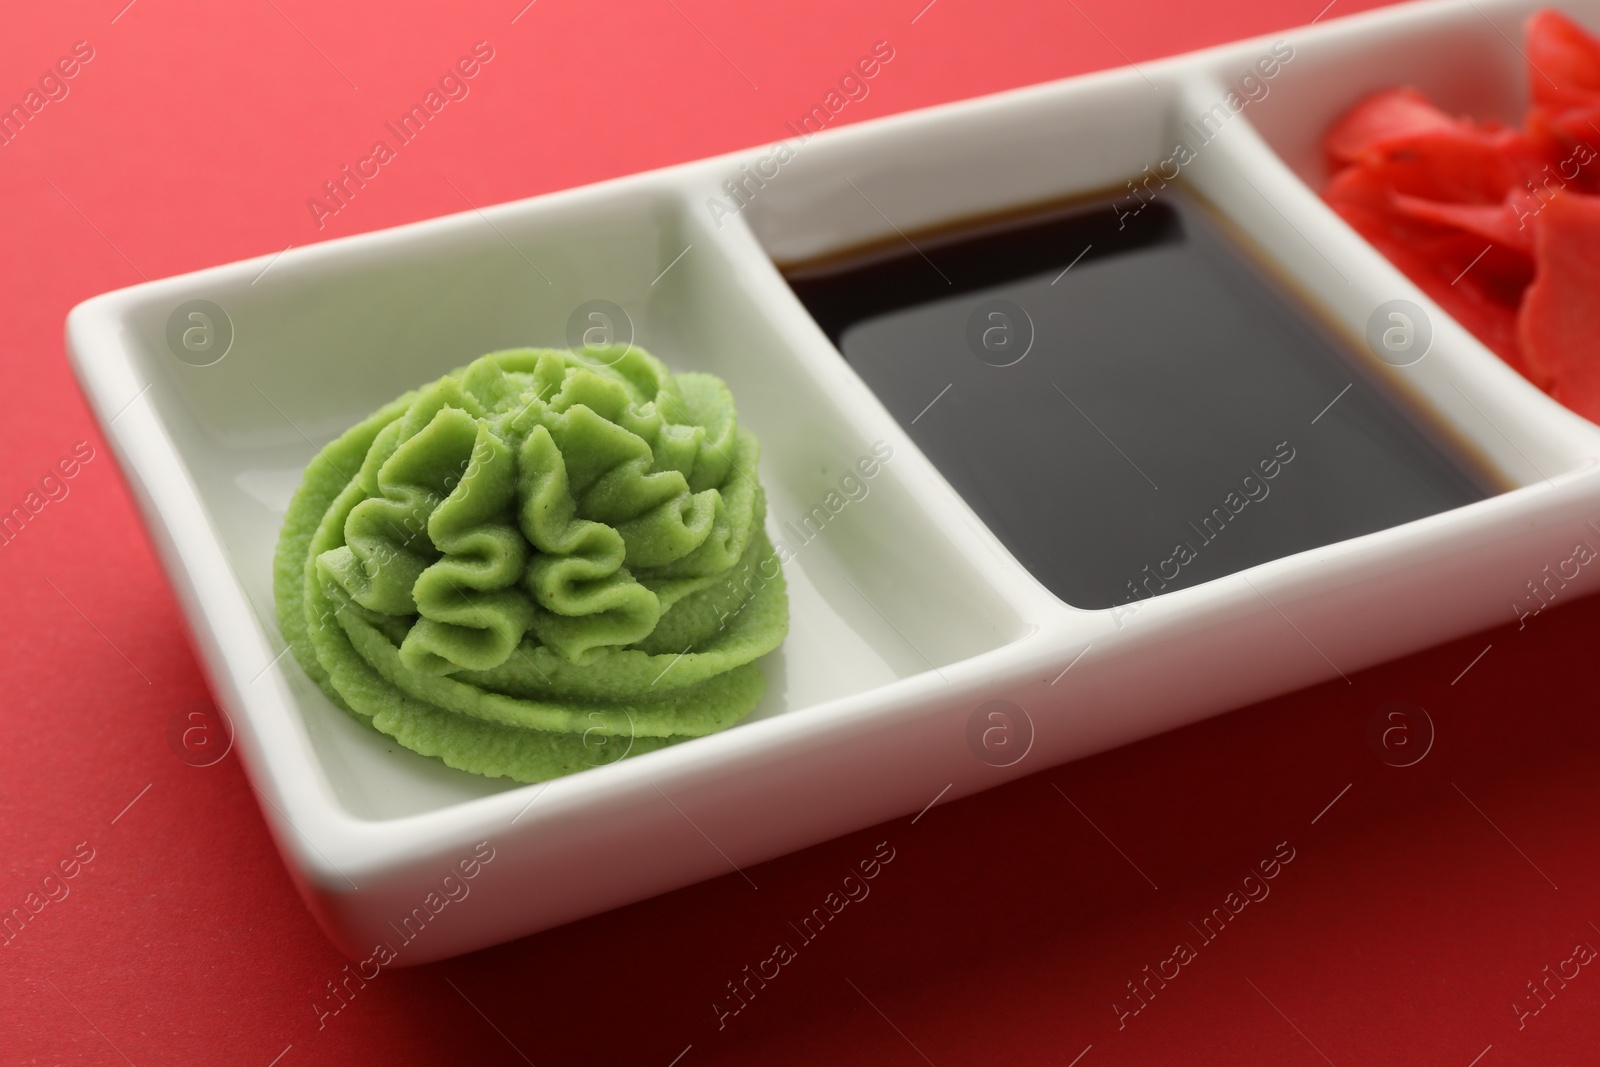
1400 441
635 265
1469 59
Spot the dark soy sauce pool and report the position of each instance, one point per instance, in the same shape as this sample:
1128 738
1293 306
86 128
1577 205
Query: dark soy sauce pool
1131 408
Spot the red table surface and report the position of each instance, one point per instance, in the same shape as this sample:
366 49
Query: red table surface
1415 909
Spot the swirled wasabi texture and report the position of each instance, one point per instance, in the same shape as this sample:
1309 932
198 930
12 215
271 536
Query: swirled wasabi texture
539 563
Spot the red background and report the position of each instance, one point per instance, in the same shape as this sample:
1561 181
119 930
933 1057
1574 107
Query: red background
1006 925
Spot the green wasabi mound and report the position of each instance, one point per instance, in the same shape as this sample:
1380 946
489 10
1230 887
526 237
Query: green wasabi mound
539 563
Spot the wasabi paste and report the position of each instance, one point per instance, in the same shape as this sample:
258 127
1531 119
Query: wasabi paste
544 561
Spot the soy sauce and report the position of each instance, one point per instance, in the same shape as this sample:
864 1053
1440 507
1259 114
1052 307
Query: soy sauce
1129 402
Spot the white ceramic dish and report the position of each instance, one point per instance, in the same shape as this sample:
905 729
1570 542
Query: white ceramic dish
870 698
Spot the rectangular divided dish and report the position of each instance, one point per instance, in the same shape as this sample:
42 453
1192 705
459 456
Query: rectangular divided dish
908 614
